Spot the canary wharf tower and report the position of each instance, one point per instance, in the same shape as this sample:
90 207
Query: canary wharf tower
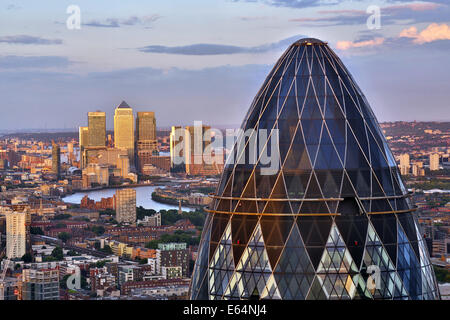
335 220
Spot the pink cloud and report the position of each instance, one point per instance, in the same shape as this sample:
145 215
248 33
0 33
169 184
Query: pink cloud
345 12
345 45
416 6
431 33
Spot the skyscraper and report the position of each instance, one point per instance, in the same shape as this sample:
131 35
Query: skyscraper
124 129
146 126
146 142
56 160
188 145
126 205
96 129
83 142
333 217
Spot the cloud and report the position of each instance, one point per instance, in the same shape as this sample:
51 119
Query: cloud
217 95
345 45
203 49
431 33
25 39
294 3
13 6
404 13
254 18
117 23
434 35
416 6
22 62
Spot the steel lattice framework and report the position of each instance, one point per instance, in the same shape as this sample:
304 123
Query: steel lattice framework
336 206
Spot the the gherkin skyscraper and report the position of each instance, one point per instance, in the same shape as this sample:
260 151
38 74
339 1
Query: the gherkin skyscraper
335 221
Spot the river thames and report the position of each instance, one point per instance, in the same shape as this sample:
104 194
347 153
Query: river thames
143 198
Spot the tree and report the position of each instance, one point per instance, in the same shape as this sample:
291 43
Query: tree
64 236
27 258
36 230
58 253
98 230
72 253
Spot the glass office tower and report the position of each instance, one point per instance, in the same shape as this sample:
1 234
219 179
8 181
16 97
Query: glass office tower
335 221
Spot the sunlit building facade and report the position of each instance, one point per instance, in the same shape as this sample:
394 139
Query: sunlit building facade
16 234
56 160
146 141
96 129
335 221
125 205
124 129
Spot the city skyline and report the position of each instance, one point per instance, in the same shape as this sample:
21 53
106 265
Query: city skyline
155 58
225 150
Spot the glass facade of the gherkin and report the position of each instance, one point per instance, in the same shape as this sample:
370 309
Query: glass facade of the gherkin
336 207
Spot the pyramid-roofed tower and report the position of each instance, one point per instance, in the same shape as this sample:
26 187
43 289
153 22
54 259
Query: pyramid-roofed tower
334 211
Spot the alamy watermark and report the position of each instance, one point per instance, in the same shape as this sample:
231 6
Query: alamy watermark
74 281
374 279
374 20
73 22
204 145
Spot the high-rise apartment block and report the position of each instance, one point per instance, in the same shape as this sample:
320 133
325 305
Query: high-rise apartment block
40 284
173 255
56 160
124 129
417 169
434 161
16 234
404 164
126 205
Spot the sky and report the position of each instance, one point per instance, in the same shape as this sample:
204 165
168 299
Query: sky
204 60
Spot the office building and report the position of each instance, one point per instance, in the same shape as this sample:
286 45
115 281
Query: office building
83 140
124 129
334 211
146 141
146 126
189 145
126 205
96 129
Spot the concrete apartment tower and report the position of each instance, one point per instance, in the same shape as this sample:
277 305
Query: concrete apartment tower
126 205
124 129
56 160
16 234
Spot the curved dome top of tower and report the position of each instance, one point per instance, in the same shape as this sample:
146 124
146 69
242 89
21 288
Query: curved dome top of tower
309 41
328 141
